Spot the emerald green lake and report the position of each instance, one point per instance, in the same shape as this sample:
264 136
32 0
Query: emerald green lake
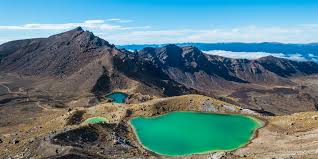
185 133
117 97
95 120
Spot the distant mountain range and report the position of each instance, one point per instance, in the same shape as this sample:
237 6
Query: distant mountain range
302 51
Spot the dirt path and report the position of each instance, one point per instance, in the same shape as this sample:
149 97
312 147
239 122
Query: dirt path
47 108
5 87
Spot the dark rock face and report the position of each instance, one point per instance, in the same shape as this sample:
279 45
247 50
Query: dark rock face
194 69
150 74
186 59
75 118
286 68
102 85
95 141
77 137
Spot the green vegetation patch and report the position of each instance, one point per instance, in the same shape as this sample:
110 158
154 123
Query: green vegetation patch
95 120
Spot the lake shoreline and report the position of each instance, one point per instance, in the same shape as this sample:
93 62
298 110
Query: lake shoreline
261 124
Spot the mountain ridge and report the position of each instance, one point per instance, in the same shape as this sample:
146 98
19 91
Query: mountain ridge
80 56
307 52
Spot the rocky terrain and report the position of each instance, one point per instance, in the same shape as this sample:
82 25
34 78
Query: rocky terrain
59 133
77 64
49 86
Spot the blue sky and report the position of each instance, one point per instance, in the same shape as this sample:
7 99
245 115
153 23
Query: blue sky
164 21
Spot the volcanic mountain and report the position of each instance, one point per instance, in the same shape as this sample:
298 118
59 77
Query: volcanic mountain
77 62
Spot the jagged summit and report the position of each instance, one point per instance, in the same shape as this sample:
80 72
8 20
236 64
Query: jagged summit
79 28
84 38
170 46
70 33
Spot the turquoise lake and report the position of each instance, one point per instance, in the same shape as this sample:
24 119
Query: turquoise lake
185 133
117 97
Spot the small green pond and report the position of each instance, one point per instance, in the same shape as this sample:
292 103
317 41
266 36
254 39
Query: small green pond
117 97
95 120
185 133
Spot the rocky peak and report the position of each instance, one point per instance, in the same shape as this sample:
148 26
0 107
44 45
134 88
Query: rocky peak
69 33
57 55
191 52
171 49
79 28
77 36
170 55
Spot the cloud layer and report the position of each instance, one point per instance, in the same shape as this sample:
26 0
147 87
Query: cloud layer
296 34
105 25
256 55
124 31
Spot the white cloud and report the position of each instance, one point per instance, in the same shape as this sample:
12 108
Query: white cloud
312 55
296 34
113 19
41 26
119 20
296 57
146 36
255 55
88 24
243 55
2 41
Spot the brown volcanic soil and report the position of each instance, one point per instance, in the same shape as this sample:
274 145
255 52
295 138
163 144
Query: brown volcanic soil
50 134
301 96
293 136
